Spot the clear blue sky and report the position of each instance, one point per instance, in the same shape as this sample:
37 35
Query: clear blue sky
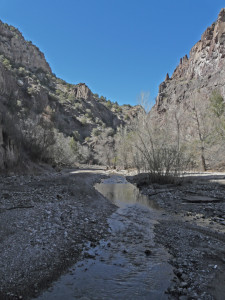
117 47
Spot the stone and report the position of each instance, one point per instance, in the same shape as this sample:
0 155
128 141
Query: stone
88 255
20 83
148 252
183 297
19 51
178 272
81 91
201 199
6 195
167 77
183 284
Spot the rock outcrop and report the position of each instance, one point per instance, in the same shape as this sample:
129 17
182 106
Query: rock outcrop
81 91
194 79
205 66
20 52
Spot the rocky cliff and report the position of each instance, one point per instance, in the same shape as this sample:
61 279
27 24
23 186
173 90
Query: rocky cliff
35 105
204 69
22 53
193 81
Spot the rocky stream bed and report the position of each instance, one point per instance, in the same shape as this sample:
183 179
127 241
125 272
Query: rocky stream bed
62 236
45 222
193 231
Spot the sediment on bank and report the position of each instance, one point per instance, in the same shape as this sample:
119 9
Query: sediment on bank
45 222
192 229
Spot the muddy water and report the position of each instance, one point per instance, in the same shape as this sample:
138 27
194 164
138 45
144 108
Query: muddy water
127 266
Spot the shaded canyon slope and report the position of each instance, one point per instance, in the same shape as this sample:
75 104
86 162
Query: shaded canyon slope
31 95
192 83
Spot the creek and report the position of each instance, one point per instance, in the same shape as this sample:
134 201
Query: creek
129 265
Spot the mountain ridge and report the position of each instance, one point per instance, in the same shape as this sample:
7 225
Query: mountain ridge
31 97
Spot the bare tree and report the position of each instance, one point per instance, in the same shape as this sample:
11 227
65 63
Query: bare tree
203 124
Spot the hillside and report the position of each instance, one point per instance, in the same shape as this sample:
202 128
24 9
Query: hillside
183 102
43 117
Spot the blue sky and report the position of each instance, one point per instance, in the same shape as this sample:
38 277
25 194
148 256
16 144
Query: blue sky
119 48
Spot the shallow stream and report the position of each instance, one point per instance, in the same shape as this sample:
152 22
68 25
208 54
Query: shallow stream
128 265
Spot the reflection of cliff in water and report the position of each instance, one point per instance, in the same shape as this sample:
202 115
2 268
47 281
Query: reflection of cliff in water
123 194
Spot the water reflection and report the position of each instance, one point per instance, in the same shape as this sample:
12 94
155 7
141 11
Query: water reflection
119 267
123 194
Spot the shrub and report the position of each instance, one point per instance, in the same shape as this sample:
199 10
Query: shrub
31 91
217 103
109 104
7 64
83 121
98 121
52 97
88 113
74 146
76 135
158 155
70 98
146 179
78 106
64 151
119 110
109 132
103 98
38 136
58 92
19 103
96 132
22 71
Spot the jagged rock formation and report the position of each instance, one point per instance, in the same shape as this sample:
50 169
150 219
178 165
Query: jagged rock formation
14 47
194 79
81 91
32 98
204 69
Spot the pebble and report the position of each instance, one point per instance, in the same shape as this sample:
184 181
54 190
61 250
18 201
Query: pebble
183 284
148 252
183 297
